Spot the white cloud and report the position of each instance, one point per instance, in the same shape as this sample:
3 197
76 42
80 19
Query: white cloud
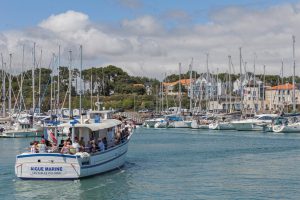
145 25
143 46
66 22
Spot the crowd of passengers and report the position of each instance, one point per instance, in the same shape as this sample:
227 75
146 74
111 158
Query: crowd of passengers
72 147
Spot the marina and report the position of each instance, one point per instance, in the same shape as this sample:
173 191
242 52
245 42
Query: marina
177 164
139 99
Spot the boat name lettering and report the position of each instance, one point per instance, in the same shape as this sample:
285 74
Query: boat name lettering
46 169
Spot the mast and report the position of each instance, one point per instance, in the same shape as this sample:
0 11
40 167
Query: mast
229 80
207 81
58 78
294 68
282 105
264 88
191 86
21 85
70 83
179 88
241 81
9 85
40 79
91 89
51 85
167 103
254 84
80 87
162 97
226 89
32 74
217 89
3 87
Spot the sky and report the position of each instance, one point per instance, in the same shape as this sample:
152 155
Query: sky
151 37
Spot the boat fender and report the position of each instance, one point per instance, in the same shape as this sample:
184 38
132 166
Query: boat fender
84 156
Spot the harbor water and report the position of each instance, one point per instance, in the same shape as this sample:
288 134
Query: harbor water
177 164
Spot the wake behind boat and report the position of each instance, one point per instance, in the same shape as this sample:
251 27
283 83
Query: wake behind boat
81 160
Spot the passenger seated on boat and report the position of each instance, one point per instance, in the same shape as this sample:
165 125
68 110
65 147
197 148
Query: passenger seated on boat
118 136
69 140
33 148
47 142
76 145
65 149
81 142
53 148
105 142
101 145
124 134
42 146
60 146
88 147
94 146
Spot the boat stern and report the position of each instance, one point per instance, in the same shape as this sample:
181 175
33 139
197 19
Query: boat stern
47 166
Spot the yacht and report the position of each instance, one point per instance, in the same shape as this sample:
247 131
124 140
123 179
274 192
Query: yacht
221 126
150 123
283 125
258 123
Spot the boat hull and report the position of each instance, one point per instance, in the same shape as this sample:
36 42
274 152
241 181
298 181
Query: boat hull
247 127
21 134
65 166
286 128
221 126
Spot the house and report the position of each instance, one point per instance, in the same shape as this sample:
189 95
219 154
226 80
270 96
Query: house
280 96
169 87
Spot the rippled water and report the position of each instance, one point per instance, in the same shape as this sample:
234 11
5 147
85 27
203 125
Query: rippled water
177 164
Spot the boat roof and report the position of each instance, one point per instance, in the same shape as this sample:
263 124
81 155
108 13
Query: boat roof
270 115
100 111
104 124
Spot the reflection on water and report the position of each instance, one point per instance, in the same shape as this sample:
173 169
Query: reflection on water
177 164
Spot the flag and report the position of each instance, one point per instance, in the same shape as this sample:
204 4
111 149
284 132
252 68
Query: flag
51 136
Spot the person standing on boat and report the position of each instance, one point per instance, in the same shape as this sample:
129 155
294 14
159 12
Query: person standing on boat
34 148
101 145
76 144
65 148
42 147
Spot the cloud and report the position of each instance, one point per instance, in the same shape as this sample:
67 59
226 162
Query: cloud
145 25
66 22
145 46
178 15
133 4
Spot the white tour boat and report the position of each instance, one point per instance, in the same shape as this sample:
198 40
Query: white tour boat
55 165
